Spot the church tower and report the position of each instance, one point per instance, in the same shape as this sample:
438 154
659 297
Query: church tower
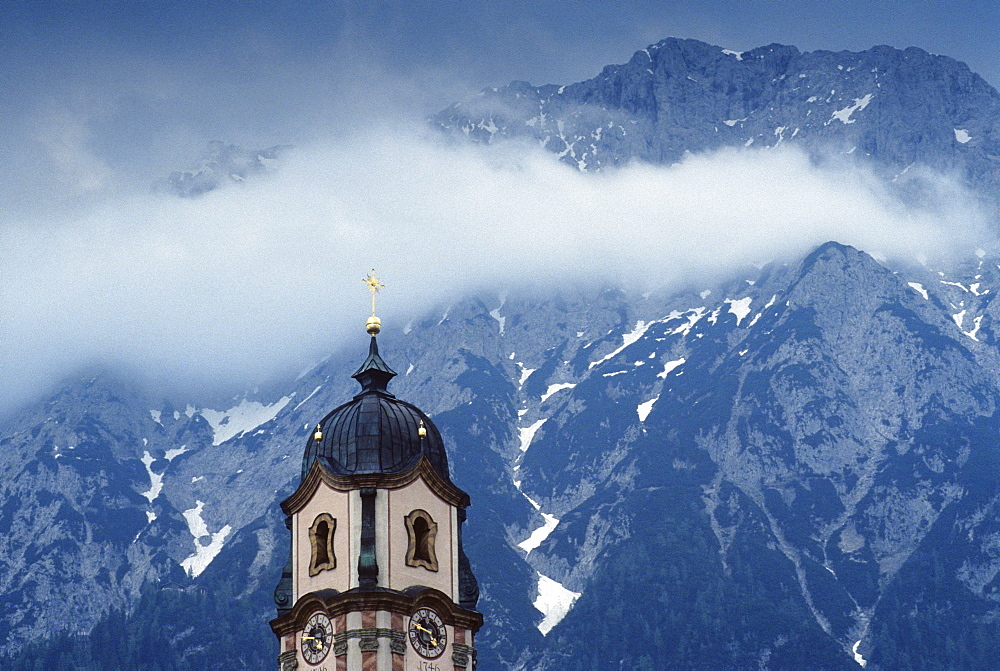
376 579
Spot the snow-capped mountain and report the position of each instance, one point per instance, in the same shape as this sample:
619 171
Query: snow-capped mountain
222 164
899 108
794 468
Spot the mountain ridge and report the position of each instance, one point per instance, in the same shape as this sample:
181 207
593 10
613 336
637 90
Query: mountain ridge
897 107
774 471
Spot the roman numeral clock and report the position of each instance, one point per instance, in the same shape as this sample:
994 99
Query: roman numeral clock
376 578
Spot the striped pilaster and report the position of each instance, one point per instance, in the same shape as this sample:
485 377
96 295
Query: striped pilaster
398 651
368 644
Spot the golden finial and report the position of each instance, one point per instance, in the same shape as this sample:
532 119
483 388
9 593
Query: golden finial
422 430
374 324
318 436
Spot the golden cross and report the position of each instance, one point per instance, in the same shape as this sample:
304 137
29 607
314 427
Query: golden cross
373 286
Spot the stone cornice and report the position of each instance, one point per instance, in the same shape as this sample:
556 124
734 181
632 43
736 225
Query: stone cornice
335 604
319 473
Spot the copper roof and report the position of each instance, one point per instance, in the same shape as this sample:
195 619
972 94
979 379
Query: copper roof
375 432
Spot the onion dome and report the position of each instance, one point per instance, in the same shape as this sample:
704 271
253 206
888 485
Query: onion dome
375 432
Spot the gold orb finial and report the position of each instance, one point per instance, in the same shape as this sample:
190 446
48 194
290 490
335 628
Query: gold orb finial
318 436
422 430
374 324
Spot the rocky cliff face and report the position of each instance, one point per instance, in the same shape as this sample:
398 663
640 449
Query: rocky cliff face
798 431
794 468
899 108
781 467
222 164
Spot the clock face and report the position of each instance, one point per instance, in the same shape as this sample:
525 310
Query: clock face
317 639
427 633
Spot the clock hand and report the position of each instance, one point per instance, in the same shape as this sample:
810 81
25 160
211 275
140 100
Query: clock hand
427 631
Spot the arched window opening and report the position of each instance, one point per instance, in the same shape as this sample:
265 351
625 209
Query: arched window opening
422 532
321 540
322 552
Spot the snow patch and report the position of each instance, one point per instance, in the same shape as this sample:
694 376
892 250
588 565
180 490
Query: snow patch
844 115
241 419
311 394
203 553
155 414
862 662
409 369
919 288
155 480
628 339
553 388
740 308
495 313
962 136
525 374
669 366
693 314
527 434
644 408
553 601
539 534
972 334
737 54
176 452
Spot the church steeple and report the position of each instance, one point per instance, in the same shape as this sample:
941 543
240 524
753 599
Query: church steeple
377 578
374 374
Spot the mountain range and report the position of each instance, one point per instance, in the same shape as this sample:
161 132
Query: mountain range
795 467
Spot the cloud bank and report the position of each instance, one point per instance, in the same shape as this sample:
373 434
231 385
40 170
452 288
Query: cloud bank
262 278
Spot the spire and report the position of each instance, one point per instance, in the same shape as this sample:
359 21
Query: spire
374 374
374 324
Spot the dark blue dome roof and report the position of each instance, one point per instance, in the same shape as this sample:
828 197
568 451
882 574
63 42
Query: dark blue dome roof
375 432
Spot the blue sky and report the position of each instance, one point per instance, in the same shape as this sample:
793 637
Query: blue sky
265 72
495 41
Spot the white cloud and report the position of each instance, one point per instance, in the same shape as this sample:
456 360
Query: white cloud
66 140
259 277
